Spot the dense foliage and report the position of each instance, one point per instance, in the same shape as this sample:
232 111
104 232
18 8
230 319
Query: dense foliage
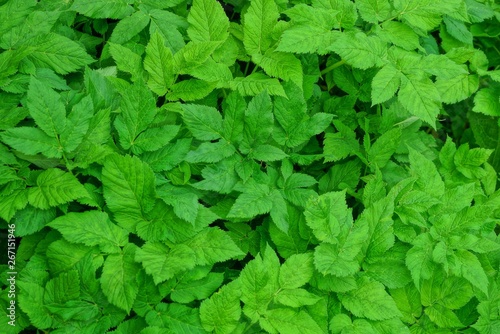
263 166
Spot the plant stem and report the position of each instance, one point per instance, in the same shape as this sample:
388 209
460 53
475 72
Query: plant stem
332 67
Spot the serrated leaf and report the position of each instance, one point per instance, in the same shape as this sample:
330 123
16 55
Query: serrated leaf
289 320
126 60
370 300
359 50
129 190
55 187
259 20
421 98
442 316
116 284
211 152
205 123
486 102
256 83
306 39
208 22
281 65
159 63
188 291
163 262
326 215
267 153
46 108
221 313
296 271
213 245
128 27
58 53
472 270
138 110
92 228
190 90
251 204
373 10
385 84
114 9
32 141
457 89
77 124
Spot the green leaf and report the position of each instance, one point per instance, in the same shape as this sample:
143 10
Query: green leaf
458 88
58 53
221 312
126 60
486 102
359 50
267 153
472 270
116 280
208 22
326 215
193 55
114 9
176 317
329 260
154 138
385 84
288 320
129 27
400 35
421 98
32 141
234 114
129 189
159 63
77 124
213 245
259 283
54 187
13 202
259 19
280 65
205 123
190 290
251 204
297 298
305 38
442 316
163 262
258 122
384 147
374 11
296 271
138 110
429 179
341 144
46 108
211 152
91 228
168 156
190 90
256 83
419 14
371 301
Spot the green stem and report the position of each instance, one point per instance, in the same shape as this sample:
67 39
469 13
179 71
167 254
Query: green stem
332 67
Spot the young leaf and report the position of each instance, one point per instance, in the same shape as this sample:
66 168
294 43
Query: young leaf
359 50
208 22
259 20
128 187
114 9
421 98
370 300
55 187
163 262
221 313
46 108
92 228
213 245
115 282
159 63
205 123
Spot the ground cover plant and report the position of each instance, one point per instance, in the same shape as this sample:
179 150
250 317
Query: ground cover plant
263 166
